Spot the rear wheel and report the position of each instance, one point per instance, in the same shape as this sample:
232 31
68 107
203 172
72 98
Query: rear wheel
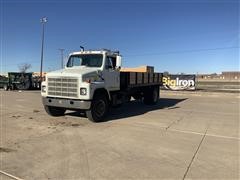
55 111
151 95
99 108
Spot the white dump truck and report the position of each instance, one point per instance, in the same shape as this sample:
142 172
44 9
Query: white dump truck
92 81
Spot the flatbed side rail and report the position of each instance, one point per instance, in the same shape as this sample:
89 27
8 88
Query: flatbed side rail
137 79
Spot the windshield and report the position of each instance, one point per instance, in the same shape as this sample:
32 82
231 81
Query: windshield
89 60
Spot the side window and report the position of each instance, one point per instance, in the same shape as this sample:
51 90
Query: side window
114 62
111 62
108 63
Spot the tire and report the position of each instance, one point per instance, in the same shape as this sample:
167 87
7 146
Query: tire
99 108
55 111
5 87
151 96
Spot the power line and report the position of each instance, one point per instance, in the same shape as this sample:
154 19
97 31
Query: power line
149 54
182 51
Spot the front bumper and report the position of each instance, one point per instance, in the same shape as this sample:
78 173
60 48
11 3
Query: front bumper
66 103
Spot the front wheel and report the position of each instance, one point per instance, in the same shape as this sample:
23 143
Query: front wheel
99 108
55 111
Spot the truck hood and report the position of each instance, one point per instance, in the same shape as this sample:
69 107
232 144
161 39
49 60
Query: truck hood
73 72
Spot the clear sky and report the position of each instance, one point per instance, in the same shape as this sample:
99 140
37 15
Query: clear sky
189 36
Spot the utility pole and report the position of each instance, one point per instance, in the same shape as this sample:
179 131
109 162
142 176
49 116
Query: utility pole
61 51
43 21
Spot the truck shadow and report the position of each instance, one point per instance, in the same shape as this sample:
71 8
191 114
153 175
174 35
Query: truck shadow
135 108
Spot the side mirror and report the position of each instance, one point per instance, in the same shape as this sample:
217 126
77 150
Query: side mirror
118 62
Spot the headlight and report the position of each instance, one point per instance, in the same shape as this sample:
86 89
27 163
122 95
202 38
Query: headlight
83 91
44 88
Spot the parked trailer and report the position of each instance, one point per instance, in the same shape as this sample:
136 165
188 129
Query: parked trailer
92 82
19 81
4 82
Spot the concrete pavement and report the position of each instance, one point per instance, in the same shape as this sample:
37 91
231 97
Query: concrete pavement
185 136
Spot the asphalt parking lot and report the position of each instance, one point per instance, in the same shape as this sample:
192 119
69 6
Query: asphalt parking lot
185 136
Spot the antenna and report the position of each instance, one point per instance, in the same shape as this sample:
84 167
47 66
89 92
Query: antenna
82 48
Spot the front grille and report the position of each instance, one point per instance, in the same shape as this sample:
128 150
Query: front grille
63 86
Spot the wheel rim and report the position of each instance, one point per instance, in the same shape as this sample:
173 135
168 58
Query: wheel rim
99 108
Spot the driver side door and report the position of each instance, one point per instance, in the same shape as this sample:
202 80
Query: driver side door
111 74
